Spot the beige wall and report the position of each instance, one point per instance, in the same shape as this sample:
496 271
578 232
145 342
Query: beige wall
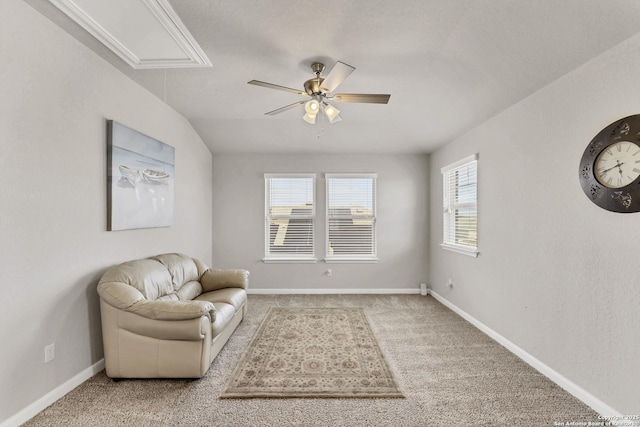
55 96
556 275
402 201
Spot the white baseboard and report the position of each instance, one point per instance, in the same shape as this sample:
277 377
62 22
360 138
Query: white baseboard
55 394
288 291
606 411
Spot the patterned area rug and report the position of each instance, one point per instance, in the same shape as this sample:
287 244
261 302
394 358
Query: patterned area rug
313 352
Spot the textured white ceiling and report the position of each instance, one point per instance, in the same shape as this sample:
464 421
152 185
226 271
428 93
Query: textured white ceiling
449 65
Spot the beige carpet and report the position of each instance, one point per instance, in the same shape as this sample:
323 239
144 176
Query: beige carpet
450 373
313 352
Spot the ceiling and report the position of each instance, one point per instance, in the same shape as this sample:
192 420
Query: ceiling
449 65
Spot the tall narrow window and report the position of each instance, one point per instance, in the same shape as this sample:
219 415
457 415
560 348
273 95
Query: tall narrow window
460 203
351 217
289 217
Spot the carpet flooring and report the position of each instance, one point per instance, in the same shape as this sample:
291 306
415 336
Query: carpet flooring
450 373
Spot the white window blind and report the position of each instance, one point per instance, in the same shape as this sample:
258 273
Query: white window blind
351 217
290 216
460 203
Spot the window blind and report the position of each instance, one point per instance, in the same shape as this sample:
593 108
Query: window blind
351 217
460 192
290 216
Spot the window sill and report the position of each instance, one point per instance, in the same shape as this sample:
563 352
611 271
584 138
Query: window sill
331 260
289 260
464 250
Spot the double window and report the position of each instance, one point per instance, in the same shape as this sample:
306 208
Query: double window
460 206
290 217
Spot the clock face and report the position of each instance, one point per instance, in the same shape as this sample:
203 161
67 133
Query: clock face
618 165
610 167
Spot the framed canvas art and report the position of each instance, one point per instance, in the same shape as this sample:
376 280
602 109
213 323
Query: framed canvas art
140 180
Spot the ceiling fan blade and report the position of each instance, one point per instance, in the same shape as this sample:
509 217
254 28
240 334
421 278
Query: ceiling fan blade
285 108
366 98
338 73
278 87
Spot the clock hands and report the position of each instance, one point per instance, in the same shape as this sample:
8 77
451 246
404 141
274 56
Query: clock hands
617 165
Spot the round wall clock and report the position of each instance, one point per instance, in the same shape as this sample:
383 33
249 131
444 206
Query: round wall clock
610 167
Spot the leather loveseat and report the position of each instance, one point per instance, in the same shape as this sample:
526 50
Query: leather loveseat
168 316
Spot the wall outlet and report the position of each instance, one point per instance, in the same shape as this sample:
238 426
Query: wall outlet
329 273
49 353
450 283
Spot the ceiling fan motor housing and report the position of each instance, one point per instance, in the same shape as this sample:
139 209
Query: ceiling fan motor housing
312 86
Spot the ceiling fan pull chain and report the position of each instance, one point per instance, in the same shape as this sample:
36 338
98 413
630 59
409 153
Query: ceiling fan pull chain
321 124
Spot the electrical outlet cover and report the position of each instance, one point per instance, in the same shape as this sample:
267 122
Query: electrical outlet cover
49 353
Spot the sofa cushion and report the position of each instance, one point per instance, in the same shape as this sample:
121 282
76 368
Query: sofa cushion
224 314
189 291
233 296
148 276
181 268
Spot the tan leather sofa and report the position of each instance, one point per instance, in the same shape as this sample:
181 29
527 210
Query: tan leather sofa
168 316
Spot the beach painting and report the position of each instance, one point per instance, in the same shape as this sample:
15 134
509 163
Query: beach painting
140 180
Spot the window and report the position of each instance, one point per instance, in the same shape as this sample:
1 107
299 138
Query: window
351 217
460 203
289 217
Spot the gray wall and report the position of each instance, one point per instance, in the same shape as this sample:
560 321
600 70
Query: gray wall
402 194
55 96
556 275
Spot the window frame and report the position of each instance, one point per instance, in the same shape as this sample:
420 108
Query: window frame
449 207
269 256
351 258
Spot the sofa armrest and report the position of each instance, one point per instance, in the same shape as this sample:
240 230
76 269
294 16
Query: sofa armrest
183 330
119 295
173 310
215 278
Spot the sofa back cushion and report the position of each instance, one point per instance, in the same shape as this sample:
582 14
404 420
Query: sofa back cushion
148 276
181 268
170 277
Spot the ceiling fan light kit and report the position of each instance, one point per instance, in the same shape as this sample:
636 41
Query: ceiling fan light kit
331 112
311 107
318 89
310 118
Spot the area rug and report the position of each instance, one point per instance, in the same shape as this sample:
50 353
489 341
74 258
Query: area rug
313 352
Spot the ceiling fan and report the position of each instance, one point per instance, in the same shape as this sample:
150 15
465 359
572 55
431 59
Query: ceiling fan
319 90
